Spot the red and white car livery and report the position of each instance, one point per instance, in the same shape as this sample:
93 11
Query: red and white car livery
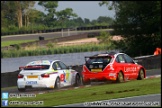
111 67
47 74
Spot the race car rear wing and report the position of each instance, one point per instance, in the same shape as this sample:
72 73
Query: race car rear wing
26 67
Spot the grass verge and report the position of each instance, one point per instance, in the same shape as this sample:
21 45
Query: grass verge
94 93
8 43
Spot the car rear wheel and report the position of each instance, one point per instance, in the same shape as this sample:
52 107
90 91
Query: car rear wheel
120 77
57 83
141 75
86 83
21 89
77 81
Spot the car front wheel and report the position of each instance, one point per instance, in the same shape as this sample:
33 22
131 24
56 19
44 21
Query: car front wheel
141 75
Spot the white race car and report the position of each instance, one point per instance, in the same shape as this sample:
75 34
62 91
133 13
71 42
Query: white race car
47 74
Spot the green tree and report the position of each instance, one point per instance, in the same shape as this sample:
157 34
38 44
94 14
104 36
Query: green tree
106 38
86 21
20 7
139 22
27 8
8 16
13 11
64 15
50 7
94 22
36 16
79 21
105 20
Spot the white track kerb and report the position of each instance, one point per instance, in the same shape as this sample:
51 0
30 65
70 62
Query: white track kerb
154 76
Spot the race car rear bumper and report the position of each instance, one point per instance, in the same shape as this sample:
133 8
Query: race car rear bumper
35 84
99 77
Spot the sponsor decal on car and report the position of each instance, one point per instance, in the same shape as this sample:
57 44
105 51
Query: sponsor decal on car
128 69
44 62
31 82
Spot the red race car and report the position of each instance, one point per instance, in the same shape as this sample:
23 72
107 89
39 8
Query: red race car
111 66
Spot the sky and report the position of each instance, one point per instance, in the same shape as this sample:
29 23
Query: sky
84 9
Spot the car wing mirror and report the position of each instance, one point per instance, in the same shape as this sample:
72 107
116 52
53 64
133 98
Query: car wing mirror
122 61
70 67
136 61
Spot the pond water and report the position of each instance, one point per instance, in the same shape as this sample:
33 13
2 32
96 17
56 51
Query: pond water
70 59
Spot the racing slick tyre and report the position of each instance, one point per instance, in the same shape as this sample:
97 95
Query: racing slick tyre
21 89
86 83
120 77
77 81
141 75
57 83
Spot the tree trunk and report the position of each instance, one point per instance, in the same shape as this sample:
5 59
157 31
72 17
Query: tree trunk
19 14
27 20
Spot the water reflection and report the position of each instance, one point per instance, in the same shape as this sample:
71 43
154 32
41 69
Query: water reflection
70 59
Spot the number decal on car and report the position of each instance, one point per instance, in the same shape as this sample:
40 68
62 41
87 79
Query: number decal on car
62 77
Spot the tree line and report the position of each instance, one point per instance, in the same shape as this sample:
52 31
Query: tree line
22 16
138 22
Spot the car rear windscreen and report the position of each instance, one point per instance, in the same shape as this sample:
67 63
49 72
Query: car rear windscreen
97 62
100 60
37 67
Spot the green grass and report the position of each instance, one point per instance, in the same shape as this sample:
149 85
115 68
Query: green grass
8 43
7 88
97 92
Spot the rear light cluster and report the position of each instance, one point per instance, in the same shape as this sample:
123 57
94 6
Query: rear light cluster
45 75
20 76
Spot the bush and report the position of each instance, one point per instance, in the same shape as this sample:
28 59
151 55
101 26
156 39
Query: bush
54 50
49 45
17 46
13 28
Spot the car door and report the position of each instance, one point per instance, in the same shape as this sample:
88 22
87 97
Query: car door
60 71
122 65
132 67
67 73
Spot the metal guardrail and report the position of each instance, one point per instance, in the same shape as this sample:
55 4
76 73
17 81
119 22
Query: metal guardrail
149 61
143 56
